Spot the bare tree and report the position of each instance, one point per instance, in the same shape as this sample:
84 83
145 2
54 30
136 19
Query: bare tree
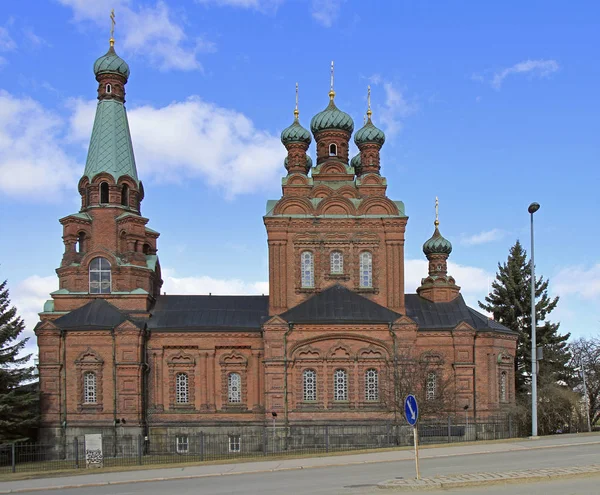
586 358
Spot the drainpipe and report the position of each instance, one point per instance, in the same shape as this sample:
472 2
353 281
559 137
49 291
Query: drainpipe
396 398
475 386
144 371
63 335
114 362
285 376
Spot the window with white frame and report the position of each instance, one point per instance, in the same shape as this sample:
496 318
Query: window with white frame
366 269
431 386
333 149
310 384
182 388
89 387
100 276
234 388
235 443
307 266
503 381
336 260
340 385
183 445
372 385
108 88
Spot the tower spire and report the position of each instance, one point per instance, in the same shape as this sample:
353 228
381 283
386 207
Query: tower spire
437 213
112 28
331 90
296 112
369 113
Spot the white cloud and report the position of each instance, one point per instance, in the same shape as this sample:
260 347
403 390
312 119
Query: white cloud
483 237
33 39
147 31
326 12
578 280
32 159
7 44
395 107
205 285
533 68
228 151
260 5
472 280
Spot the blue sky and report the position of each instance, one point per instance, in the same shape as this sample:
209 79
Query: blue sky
487 105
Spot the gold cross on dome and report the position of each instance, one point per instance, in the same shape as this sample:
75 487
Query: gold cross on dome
296 112
437 211
112 26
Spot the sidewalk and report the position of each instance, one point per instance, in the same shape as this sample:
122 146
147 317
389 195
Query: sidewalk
201 471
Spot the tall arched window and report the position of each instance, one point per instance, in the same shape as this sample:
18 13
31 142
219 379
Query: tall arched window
340 385
81 242
336 260
104 192
431 386
307 267
503 380
182 388
234 388
108 88
125 195
89 387
100 282
372 385
366 269
309 378
333 149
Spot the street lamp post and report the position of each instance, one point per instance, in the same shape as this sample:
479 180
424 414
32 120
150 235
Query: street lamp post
533 207
585 396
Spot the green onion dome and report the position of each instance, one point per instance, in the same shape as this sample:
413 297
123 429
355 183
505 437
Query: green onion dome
356 162
295 134
111 63
331 118
369 134
437 244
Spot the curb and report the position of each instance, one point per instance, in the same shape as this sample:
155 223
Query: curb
485 479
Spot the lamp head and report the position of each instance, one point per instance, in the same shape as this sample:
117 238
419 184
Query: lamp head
533 207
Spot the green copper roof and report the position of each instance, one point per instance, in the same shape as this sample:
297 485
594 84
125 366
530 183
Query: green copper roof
437 244
295 134
331 118
356 163
369 134
111 63
110 149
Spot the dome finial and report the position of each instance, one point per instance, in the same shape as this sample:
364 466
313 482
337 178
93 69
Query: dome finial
112 28
369 113
331 91
296 112
437 213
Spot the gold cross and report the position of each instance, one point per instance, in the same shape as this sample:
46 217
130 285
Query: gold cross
437 206
331 91
296 112
369 113
112 25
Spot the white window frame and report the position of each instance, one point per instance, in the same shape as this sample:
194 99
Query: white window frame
372 385
431 386
336 262
307 269
102 269
90 388
309 382
108 89
234 388
182 388
235 443
503 386
182 444
340 385
366 270
333 147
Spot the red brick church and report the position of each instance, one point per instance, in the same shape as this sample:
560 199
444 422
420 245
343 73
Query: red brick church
330 344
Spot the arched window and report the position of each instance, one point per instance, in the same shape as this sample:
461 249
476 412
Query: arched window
372 385
503 386
431 386
125 195
310 384
108 88
81 242
366 269
182 388
234 388
100 282
89 387
336 259
340 385
104 193
146 249
332 149
307 267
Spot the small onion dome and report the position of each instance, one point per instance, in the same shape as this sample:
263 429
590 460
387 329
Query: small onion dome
111 63
437 244
369 134
295 134
331 118
356 162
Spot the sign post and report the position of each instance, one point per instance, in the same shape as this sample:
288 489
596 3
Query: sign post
411 411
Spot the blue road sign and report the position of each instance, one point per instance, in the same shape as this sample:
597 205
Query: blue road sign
411 410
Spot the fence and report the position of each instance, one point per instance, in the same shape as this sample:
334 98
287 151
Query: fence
269 441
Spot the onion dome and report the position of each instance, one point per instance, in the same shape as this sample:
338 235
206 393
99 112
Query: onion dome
295 134
331 118
369 134
111 63
437 244
356 162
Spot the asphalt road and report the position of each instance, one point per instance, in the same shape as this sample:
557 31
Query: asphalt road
351 480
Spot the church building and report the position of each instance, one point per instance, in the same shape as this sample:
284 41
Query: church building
336 341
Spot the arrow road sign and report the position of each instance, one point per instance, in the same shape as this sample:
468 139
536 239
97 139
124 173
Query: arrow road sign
411 410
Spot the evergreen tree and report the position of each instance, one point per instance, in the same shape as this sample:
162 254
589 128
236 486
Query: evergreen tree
18 400
510 303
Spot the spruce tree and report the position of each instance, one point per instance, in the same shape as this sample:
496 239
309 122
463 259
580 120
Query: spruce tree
510 304
18 398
